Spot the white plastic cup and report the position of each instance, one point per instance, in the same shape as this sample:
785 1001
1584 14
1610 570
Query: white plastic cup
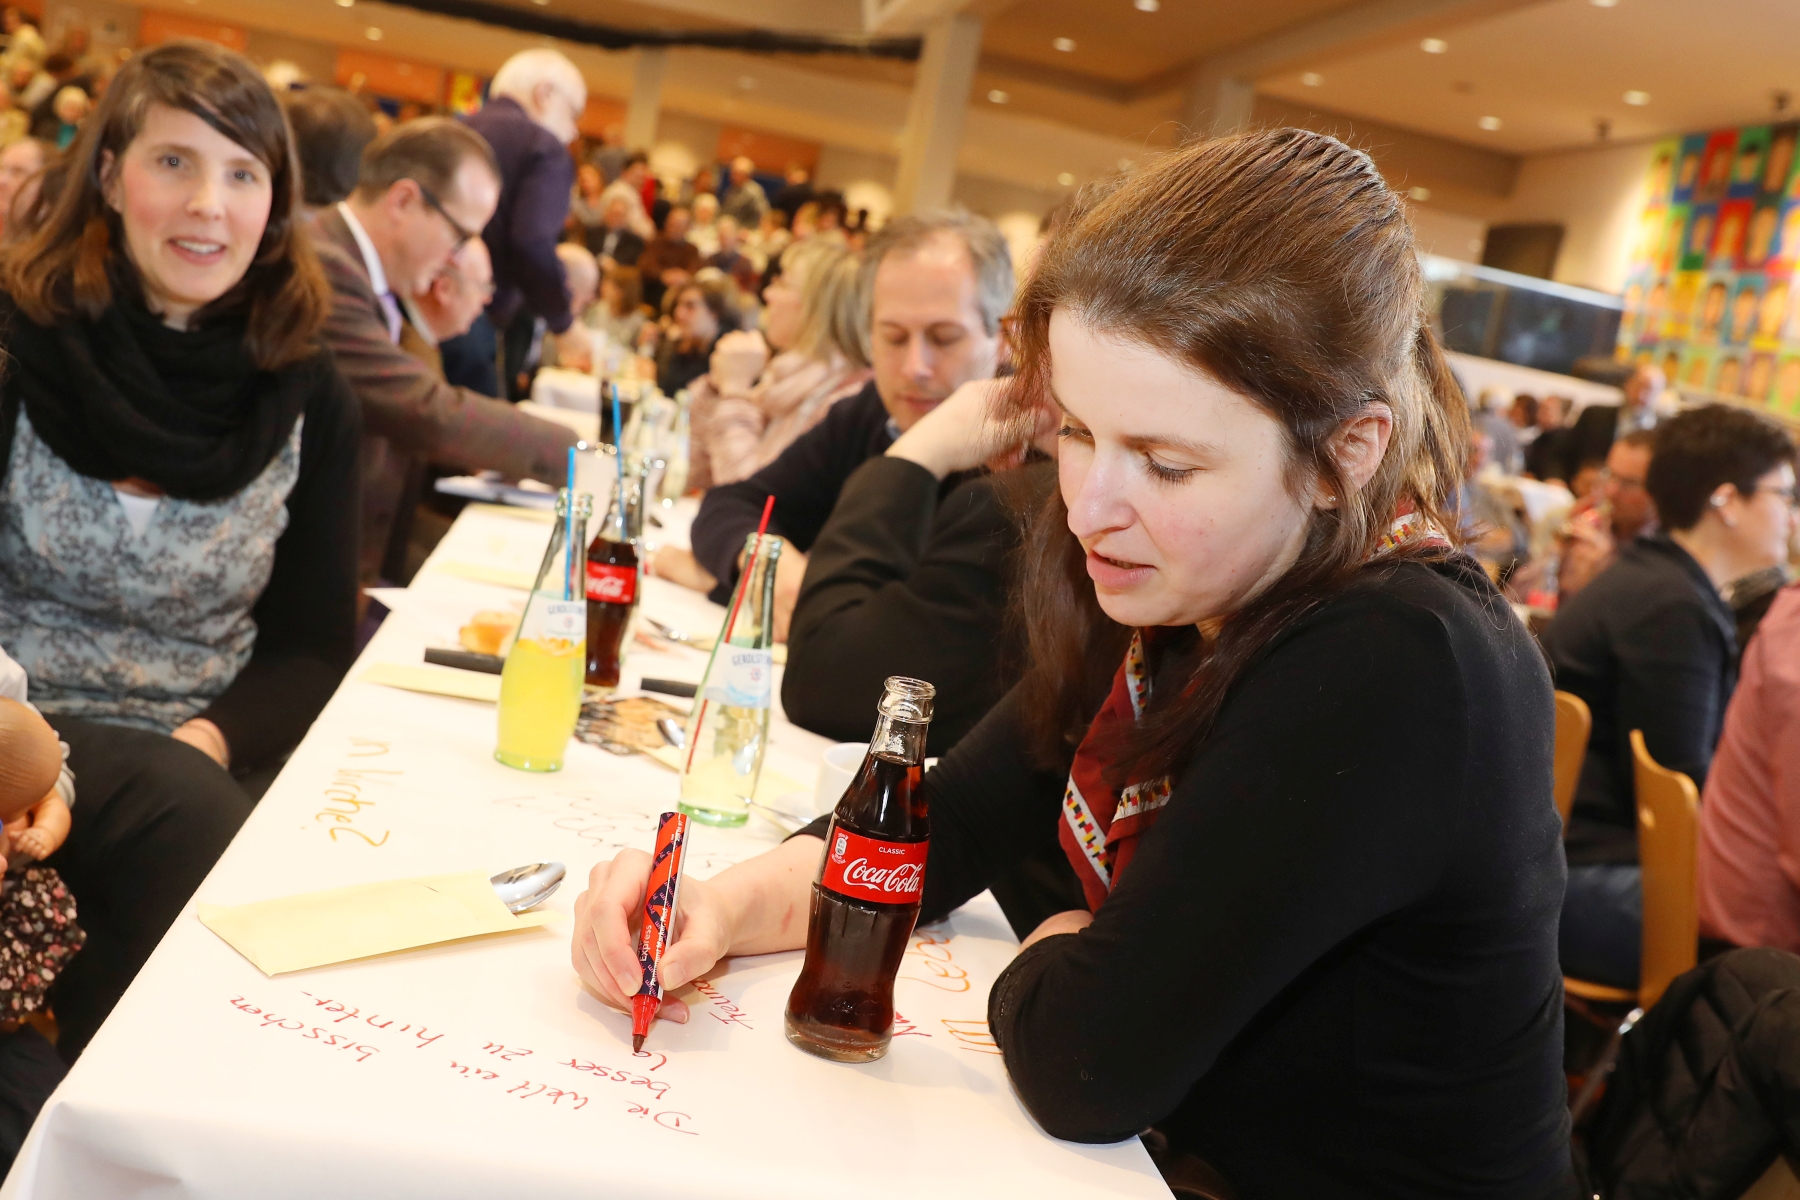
836 770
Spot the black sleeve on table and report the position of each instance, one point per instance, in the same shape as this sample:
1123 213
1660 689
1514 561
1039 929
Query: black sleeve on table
306 616
1324 800
899 584
1670 664
805 480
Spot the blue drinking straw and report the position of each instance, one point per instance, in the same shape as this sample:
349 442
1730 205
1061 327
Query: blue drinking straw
569 550
619 446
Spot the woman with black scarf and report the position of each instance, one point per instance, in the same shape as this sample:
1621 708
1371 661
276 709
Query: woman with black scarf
178 489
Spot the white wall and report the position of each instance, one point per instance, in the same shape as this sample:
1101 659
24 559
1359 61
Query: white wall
865 178
1596 195
1447 234
683 145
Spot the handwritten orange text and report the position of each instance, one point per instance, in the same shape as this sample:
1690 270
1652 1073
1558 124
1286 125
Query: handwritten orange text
930 953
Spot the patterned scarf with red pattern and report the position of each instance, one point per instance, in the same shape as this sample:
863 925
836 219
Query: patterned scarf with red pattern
1102 824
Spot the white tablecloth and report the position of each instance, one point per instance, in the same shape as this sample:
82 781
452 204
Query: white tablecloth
479 1068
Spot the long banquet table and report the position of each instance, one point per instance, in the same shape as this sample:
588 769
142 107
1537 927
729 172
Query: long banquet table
480 1068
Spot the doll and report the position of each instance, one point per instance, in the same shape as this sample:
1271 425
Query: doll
38 934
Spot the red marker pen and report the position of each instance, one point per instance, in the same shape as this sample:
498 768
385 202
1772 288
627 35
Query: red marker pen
659 920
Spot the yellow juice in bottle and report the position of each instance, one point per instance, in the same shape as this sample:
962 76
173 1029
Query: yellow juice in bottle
540 697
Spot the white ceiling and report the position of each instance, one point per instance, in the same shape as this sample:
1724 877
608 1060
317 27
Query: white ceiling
1548 72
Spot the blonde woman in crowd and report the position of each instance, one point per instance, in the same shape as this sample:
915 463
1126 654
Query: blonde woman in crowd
619 316
751 406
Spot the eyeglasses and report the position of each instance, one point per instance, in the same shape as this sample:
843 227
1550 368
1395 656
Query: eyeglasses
1787 494
463 236
1622 480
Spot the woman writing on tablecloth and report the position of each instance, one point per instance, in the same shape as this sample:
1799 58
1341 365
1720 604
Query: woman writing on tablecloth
178 488
1321 960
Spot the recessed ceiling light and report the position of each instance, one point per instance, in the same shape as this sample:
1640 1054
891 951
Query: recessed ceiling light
1312 79
1637 99
1418 194
1489 123
345 3
1064 44
372 33
998 96
1066 179
1434 45
1146 5
541 3
1604 3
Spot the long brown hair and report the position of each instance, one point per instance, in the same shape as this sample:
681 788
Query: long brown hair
70 264
1280 264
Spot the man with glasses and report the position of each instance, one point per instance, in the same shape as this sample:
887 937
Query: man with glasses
426 187
1625 510
534 102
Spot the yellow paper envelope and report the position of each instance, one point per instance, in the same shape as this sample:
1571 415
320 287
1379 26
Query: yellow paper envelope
313 929
482 573
438 681
537 516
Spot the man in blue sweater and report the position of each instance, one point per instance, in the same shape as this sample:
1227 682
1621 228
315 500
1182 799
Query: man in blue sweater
529 120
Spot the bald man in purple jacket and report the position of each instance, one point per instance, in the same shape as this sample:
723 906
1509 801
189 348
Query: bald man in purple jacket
529 120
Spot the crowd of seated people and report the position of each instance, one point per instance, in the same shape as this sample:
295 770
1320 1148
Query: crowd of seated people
339 350
1651 644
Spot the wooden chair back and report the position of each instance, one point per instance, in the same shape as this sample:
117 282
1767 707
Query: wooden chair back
1668 807
1573 725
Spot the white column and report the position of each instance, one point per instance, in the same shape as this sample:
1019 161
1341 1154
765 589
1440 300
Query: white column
642 113
934 122
1218 102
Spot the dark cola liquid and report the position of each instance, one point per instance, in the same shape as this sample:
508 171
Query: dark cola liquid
842 1006
607 620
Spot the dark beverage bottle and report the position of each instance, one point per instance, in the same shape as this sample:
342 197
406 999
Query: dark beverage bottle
867 895
612 590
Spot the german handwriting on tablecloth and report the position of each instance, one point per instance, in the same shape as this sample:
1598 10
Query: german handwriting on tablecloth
525 1090
905 1028
603 824
721 1007
974 1035
638 1089
344 799
343 1012
931 953
336 1041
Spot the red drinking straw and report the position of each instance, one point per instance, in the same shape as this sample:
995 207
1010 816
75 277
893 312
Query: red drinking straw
762 528
731 623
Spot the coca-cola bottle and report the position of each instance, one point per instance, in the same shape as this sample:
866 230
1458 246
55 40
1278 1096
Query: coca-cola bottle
867 895
612 591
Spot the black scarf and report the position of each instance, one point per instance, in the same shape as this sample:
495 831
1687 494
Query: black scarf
125 396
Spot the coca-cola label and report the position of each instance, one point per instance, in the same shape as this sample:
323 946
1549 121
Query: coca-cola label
873 869
611 583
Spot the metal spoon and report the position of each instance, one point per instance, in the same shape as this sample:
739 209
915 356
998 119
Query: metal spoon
528 886
671 634
672 732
